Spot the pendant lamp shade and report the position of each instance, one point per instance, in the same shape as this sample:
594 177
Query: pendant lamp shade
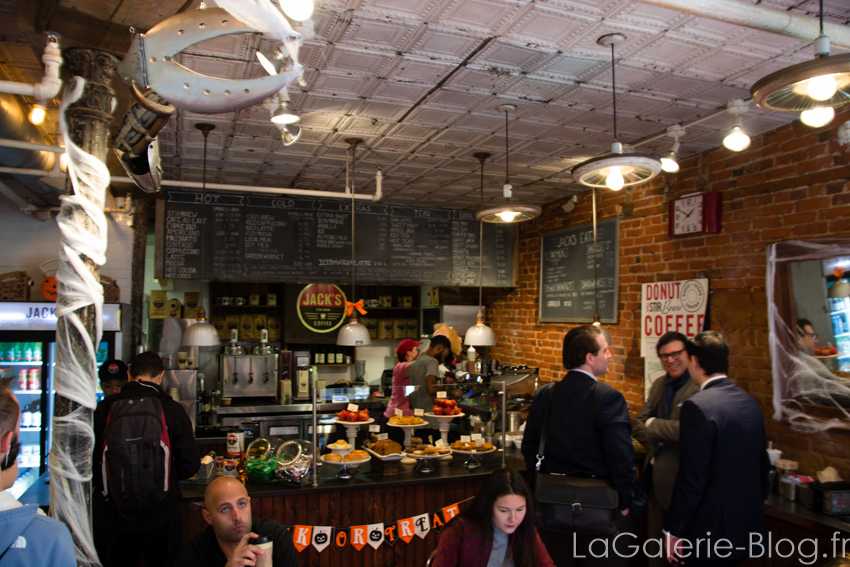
480 334
353 333
506 212
616 169
201 333
839 289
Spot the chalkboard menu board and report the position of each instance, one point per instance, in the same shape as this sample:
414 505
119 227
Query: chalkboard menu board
263 238
567 288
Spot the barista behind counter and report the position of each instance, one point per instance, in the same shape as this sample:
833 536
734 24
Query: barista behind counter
423 376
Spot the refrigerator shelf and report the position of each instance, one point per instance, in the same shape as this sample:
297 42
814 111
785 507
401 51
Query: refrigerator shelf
33 363
19 392
30 429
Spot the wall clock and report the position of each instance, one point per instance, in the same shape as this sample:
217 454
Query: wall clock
698 213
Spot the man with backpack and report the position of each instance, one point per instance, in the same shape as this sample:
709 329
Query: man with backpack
144 444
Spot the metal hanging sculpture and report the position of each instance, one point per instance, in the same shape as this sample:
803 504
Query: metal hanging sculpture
158 83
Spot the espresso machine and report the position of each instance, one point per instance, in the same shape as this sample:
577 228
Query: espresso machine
249 375
301 375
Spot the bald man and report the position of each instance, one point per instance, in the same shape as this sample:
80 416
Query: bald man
227 509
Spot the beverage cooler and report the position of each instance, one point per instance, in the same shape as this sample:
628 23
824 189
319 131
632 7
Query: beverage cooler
27 361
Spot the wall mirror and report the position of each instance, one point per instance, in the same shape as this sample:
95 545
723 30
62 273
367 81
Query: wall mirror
811 383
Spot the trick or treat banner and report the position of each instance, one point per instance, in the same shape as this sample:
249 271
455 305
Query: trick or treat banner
372 535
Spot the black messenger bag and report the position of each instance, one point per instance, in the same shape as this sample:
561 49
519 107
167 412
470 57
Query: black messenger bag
572 503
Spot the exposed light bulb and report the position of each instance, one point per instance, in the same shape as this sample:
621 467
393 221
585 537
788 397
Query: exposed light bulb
508 216
37 114
737 140
822 88
298 10
818 116
669 163
615 181
63 161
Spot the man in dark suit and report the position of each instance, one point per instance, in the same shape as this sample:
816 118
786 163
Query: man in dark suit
656 426
723 465
588 434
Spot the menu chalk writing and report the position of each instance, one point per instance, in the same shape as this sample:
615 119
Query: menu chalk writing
263 238
571 290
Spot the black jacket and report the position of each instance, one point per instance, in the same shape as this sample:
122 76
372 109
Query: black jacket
203 550
589 433
185 462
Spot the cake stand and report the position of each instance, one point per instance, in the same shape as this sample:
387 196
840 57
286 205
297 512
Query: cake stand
472 462
425 466
351 428
408 430
344 473
443 421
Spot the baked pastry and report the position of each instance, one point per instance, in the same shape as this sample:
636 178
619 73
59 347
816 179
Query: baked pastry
386 447
415 440
357 455
333 457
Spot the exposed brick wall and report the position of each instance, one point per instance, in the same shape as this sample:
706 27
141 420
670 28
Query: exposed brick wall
792 183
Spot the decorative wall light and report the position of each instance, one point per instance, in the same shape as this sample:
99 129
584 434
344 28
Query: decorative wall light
507 212
737 139
813 88
353 333
480 334
616 170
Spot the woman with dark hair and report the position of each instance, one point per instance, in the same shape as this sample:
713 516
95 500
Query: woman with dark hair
497 529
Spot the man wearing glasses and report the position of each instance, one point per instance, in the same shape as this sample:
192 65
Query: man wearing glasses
656 426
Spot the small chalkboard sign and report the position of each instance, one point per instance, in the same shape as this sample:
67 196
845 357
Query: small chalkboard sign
569 289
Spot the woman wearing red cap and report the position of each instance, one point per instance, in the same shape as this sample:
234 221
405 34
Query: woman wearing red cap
407 352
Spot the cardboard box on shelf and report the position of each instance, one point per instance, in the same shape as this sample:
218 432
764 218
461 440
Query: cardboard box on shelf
273 324
159 304
246 328
191 304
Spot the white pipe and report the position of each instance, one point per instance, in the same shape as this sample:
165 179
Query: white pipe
50 83
30 146
760 18
196 185
379 185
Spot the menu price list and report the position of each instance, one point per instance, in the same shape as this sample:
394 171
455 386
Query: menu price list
251 238
578 277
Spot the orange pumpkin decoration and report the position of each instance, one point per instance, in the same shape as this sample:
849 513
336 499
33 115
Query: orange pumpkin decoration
48 288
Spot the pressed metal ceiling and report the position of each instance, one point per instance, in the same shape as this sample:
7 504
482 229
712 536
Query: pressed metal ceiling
420 80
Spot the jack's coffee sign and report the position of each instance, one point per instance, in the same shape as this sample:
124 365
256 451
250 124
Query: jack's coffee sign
321 307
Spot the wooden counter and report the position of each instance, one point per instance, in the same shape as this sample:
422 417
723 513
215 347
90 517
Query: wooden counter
365 499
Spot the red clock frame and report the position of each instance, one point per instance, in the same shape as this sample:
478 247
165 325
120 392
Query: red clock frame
712 204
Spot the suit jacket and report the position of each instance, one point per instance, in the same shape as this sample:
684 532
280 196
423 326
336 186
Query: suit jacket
663 432
589 433
723 467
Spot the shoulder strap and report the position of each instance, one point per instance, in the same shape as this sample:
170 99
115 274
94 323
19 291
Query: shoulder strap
540 448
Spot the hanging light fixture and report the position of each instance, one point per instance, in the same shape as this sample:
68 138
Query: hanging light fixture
507 212
737 139
289 133
480 334
283 114
353 334
272 61
297 10
616 170
813 88
201 333
670 161
38 112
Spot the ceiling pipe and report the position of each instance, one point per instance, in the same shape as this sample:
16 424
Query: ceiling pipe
50 83
760 18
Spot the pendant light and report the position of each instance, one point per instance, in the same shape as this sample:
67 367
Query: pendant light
813 88
670 160
480 334
353 334
507 212
616 170
202 333
737 139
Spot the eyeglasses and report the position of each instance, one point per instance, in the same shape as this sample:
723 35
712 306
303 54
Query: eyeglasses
672 356
813 335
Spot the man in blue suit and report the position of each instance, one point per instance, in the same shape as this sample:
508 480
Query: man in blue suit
723 465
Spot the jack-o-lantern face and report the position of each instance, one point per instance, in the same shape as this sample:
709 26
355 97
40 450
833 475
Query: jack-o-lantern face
48 288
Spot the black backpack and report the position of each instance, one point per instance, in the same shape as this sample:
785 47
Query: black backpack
136 457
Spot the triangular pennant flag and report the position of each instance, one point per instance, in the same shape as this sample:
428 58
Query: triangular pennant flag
301 537
376 535
421 525
340 537
437 521
405 530
391 533
321 537
358 537
450 512
288 527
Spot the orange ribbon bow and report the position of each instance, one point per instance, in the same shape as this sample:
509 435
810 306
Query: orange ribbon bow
350 307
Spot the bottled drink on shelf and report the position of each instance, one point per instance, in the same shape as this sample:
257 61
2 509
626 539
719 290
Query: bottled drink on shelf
34 381
36 352
10 352
23 379
28 354
19 352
